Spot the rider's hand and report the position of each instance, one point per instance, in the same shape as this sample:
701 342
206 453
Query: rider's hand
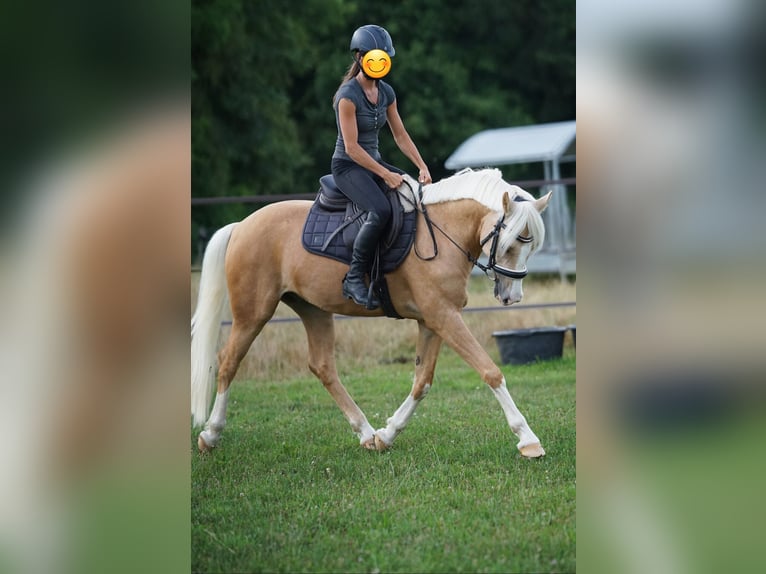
424 176
393 179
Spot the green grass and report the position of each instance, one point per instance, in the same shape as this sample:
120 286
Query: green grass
289 489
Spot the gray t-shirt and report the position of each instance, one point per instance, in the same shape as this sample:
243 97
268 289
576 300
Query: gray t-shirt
369 117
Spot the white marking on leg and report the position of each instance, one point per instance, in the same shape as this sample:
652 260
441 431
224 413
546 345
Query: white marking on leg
399 419
217 421
515 419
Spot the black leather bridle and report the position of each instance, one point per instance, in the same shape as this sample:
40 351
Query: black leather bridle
492 265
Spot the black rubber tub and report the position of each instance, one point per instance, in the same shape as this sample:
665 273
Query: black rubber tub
522 346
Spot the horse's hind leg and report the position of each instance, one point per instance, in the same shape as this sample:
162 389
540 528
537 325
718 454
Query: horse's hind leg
320 331
455 333
244 330
429 344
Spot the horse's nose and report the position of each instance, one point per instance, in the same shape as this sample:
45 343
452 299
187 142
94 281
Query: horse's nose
511 299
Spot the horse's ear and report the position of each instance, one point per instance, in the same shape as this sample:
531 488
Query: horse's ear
507 204
542 203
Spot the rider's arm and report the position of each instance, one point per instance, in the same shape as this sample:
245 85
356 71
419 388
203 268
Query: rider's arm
405 143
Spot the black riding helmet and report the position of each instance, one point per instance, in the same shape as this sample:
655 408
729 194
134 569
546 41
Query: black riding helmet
372 37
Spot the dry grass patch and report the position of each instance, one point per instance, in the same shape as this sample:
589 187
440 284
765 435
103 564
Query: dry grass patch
280 351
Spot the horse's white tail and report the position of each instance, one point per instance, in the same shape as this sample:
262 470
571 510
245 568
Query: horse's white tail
206 323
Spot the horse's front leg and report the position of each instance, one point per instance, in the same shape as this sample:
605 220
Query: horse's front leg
457 335
429 344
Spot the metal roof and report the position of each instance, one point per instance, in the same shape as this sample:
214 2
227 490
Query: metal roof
525 144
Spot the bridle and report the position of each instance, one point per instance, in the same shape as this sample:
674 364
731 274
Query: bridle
494 236
492 265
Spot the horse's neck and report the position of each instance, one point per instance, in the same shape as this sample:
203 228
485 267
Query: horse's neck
462 220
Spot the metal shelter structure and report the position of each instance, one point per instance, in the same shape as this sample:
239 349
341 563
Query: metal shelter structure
550 144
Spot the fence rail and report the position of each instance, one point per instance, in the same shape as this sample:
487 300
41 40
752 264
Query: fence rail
467 310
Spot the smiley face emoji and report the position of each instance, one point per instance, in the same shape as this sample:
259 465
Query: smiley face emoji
376 63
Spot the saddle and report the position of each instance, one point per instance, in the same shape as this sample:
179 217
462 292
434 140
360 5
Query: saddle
334 221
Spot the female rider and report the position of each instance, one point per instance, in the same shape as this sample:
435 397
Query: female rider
364 104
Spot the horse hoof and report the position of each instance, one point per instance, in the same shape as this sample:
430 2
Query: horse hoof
202 445
532 450
369 444
380 446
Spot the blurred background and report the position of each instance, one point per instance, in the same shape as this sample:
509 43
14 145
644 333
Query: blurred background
95 164
670 111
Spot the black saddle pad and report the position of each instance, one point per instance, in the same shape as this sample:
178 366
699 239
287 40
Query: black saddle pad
331 233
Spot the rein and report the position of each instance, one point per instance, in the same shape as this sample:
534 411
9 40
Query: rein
493 235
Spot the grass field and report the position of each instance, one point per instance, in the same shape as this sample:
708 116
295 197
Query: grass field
290 490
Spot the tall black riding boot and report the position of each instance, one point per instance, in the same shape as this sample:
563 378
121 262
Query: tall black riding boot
365 243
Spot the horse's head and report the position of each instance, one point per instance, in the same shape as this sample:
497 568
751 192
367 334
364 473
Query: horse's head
509 239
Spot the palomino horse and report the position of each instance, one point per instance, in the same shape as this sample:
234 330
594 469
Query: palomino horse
260 261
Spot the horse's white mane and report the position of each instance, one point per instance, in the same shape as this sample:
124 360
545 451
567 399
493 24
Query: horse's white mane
487 186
